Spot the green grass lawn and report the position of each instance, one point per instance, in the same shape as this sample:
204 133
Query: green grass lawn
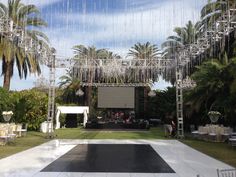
220 151
80 133
20 144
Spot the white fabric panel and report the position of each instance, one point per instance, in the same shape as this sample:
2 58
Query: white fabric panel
73 109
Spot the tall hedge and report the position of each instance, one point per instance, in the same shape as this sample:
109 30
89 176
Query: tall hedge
28 106
6 103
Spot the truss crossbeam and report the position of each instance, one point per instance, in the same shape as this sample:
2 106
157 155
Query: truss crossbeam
115 84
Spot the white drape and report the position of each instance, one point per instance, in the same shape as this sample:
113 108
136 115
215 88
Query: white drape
71 110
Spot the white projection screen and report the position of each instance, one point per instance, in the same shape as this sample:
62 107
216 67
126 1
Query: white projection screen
116 97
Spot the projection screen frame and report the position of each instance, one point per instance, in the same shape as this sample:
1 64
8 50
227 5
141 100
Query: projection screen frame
116 97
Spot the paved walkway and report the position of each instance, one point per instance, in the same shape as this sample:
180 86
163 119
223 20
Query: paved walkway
185 161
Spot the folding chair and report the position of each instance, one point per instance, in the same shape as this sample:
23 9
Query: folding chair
226 173
24 129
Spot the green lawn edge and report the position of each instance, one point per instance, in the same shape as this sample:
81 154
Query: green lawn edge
220 151
31 140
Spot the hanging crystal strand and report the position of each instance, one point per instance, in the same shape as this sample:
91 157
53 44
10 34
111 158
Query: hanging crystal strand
86 75
99 74
143 75
229 5
92 75
140 75
80 75
146 79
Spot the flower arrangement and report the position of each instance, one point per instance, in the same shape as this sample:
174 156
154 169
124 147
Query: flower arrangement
7 115
214 116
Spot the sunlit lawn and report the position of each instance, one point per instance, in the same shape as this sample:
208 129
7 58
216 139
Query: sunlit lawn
20 144
220 151
79 133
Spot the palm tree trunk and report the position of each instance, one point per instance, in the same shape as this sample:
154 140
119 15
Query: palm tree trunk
7 75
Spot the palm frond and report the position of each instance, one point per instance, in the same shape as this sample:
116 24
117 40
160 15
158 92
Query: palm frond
35 21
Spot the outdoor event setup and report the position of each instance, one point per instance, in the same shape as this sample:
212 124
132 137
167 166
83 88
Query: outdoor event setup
130 88
129 72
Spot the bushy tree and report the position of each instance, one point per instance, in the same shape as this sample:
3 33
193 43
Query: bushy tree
215 90
30 106
5 102
164 102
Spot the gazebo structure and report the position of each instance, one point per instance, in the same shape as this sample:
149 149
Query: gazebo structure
98 72
72 110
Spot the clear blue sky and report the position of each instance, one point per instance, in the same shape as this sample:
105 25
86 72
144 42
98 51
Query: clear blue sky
111 24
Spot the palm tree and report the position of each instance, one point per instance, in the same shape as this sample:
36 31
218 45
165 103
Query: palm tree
213 10
70 86
22 16
69 81
90 52
143 51
215 86
106 54
184 36
210 13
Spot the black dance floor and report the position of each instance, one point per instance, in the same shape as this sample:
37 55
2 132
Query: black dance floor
116 158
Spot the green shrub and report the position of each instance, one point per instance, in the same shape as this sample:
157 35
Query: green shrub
30 106
6 103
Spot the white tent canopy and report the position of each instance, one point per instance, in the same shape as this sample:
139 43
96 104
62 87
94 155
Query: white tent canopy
72 110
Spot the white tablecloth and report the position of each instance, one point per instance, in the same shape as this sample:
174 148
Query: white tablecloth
46 125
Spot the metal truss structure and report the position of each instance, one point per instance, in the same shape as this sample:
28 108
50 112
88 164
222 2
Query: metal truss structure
138 72
11 33
124 72
215 34
20 38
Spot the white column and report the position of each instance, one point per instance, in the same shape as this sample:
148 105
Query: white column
85 117
57 119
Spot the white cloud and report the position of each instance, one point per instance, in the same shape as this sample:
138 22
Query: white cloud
122 29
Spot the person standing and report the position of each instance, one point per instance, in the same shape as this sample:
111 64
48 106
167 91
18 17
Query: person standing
168 125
